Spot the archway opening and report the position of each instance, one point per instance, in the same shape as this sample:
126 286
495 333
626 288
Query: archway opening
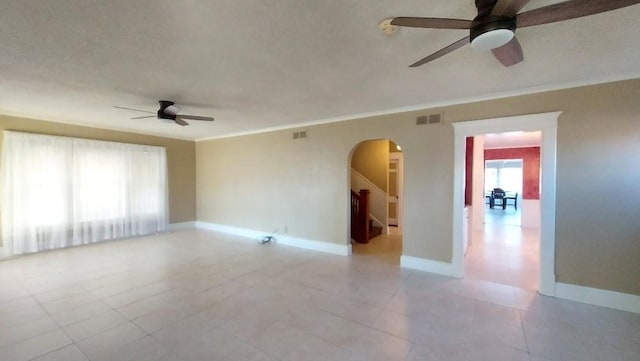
375 179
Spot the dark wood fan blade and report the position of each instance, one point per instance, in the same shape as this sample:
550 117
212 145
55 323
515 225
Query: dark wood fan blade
432 23
144 117
193 117
180 121
135 110
569 10
510 53
444 51
508 7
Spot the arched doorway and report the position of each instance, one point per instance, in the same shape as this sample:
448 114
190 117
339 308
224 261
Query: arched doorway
375 168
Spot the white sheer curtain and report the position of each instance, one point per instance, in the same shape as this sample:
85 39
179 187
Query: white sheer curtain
59 192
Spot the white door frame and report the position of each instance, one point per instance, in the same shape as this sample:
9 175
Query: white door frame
547 123
399 181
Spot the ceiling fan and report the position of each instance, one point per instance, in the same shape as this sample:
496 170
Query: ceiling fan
495 25
168 111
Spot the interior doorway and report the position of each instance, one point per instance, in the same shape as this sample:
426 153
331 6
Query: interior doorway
376 180
502 250
546 123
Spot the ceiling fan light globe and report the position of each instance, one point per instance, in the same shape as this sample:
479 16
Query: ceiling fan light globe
172 109
492 33
492 39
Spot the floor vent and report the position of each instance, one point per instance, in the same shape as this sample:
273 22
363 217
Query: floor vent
429 119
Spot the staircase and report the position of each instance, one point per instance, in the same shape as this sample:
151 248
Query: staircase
374 230
362 227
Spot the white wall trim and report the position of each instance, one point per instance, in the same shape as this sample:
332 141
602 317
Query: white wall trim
436 104
181 225
319 246
526 123
342 250
547 123
235 231
478 194
379 223
427 265
370 184
548 154
599 297
400 200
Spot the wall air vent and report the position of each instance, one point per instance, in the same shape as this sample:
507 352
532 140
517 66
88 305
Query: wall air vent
300 135
429 119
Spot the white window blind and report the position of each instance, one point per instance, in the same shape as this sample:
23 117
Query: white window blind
59 192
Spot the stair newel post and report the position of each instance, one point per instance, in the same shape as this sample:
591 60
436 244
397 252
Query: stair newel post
364 216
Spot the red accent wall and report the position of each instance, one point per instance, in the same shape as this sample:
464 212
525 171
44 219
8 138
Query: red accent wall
468 173
530 167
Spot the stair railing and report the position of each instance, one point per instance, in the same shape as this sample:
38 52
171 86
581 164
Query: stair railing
360 216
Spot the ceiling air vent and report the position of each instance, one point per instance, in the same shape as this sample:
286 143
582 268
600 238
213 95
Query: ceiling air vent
429 119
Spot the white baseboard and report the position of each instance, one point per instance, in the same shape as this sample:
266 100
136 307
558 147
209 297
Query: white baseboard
181 225
598 297
236 231
427 265
342 250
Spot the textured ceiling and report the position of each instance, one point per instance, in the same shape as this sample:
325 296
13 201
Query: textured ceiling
264 64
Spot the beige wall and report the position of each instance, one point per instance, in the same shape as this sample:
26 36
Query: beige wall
180 157
371 159
269 181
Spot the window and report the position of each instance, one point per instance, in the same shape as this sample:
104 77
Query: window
59 192
505 174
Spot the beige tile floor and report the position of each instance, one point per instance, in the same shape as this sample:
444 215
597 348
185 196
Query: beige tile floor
383 248
504 253
198 295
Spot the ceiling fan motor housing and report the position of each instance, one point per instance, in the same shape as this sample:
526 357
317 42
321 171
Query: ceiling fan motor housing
485 6
164 104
